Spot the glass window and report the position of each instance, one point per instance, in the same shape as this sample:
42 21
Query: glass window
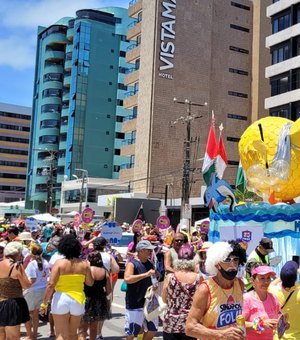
281 22
49 123
279 85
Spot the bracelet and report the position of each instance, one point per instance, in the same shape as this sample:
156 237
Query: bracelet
258 325
44 305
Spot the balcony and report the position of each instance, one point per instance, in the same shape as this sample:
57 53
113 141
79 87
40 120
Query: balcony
132 76
135 6
67 80
70 34
134 29
133 52
129 125
68 65
54 55
131 99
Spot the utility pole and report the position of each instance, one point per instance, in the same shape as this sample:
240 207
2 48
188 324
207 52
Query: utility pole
84 178
185 211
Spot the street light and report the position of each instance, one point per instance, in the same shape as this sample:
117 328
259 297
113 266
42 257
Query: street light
84 176
185 190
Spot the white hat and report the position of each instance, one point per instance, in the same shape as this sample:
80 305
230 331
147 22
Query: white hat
25 236
13 248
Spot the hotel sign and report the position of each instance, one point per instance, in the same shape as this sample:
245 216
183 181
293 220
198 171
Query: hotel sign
167 39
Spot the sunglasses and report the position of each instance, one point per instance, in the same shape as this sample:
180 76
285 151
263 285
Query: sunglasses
231 259
179 241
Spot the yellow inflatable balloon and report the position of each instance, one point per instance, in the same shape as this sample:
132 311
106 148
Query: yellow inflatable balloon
257 154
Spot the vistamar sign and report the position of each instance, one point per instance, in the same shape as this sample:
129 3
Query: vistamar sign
167 38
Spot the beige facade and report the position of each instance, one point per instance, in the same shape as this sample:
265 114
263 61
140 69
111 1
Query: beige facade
196 50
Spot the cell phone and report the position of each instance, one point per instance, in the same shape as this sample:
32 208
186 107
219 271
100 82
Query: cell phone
296 259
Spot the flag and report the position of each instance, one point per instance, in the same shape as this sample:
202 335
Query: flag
140 215
210 153
240 182
221 160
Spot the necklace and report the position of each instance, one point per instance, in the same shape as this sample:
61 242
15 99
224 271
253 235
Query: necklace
229 293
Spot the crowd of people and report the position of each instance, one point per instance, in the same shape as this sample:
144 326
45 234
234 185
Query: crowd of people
66 276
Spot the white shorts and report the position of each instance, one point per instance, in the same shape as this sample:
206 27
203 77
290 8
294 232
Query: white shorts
34 298
135 319
62 303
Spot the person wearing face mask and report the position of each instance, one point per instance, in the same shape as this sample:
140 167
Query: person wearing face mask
219 299
259 256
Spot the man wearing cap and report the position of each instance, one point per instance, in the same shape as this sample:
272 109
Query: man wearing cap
288 294
137 275
260 255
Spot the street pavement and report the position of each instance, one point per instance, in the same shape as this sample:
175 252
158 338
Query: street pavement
113 329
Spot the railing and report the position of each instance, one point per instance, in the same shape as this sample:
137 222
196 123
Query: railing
132 46
130 93
127 166
128 141
129 117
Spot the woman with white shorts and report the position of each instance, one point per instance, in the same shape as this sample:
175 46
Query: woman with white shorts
67 279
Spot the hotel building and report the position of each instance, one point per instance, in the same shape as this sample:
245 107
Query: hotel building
200 51
14 144
77 106
284 70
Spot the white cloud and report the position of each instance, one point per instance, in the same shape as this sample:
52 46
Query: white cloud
18 52
30 14
20 19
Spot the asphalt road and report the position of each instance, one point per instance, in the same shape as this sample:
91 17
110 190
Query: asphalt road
113 329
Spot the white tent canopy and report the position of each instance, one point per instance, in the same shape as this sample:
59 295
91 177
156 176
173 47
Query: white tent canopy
45 218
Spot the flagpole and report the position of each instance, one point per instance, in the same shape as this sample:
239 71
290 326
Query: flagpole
185 210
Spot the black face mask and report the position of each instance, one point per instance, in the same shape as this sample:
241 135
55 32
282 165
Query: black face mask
228 275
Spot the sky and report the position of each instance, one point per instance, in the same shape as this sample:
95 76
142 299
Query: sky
18 32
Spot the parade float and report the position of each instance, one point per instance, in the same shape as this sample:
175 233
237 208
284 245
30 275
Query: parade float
270 157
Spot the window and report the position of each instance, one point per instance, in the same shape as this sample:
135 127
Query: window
122 69
112 51
55 108
120 135
239 117
237 94
111 66
109 99
106 149
235 4
108 116
281 22
280 53
52 93
110 83
122 54
117 152
233 139
52 77
49 123
105 166
239 28
233 162
279 84
119 119
235 70
122 87
280 111
238 49
120 102
116 168
296 79
107 132
48 140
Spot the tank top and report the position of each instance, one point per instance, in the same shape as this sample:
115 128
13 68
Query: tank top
224 305
72 285
135 293
10 288
106 260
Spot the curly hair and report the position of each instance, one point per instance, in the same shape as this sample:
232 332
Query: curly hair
219 251
70 247
95 259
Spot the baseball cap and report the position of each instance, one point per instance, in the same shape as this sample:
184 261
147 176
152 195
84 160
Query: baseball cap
288 274
144 244
267 244
262 270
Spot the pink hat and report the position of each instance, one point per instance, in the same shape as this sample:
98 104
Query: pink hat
262 270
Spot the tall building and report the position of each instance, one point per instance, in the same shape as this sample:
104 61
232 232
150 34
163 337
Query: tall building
14 144
77 106
197 52
284 71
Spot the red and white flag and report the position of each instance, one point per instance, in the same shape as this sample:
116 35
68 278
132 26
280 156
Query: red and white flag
211 153
221 160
